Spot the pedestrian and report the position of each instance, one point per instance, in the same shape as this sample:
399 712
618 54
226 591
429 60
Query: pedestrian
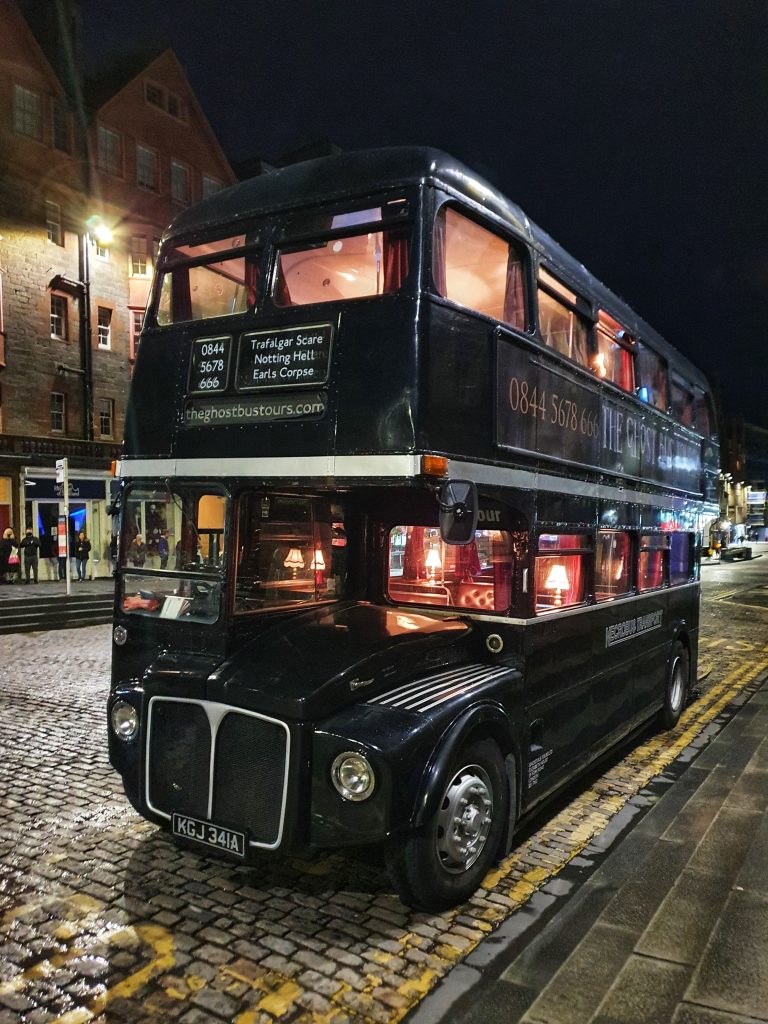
82 551
162 549
9 559
137 552
30 546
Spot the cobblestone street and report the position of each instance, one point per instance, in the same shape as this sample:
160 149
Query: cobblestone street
103 918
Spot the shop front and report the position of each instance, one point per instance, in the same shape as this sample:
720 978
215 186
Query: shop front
88 500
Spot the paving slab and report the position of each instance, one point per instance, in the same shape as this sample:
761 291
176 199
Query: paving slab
645 991
733 973
683 923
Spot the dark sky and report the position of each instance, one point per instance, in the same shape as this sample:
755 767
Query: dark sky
634 131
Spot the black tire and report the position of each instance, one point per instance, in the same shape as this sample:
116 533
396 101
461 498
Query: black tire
678 681
434 867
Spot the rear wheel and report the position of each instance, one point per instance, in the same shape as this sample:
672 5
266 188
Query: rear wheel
678 678
443 862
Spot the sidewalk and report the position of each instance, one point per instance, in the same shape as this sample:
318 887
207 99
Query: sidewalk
54 588
671 928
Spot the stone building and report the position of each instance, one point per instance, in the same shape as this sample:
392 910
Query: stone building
80 161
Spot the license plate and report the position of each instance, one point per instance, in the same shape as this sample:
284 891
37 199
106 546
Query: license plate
226 840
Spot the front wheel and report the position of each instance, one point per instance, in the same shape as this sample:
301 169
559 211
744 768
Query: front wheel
443 862
678 678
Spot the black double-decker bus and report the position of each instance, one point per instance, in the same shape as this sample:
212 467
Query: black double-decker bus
412 509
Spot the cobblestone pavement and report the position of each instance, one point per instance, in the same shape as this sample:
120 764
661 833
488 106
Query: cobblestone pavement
103 919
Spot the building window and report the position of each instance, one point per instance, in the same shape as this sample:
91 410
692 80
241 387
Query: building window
102 252
105 327
58 412
137 320
147 168
154 95
175 106
110 151
179 182
210 186
26 112
59 317
106 416
138 256
60 126
53 226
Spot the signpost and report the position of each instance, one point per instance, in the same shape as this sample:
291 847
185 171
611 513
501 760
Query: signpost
62 477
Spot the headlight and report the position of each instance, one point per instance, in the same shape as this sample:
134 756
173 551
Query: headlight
353 776
124 719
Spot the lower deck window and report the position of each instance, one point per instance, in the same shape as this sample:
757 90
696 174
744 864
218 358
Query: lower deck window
422 569
560 572
612 565
652 561
680 545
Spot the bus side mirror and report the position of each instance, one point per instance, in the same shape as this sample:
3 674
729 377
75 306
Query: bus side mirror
458 511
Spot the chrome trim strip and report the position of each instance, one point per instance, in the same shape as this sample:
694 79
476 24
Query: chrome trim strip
398 466
292 468
411 688
216 713
452 693
435 690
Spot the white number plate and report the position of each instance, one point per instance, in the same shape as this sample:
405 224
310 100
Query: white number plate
224 839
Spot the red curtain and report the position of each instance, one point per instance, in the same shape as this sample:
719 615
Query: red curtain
438 255
514 303
395 260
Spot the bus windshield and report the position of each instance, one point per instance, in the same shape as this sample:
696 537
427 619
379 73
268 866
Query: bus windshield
173 537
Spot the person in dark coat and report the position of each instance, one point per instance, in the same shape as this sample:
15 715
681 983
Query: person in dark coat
137 552
82 551
29 549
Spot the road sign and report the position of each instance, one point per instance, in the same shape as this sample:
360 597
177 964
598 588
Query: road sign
61 469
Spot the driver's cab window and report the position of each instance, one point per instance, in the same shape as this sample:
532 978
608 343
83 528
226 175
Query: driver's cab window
172 552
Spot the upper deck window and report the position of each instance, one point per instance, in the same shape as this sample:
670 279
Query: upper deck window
210 279
562 322
350 266
478 269
651 377
681 403
424 570
614 359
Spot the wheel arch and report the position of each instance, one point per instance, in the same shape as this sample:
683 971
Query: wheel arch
488 720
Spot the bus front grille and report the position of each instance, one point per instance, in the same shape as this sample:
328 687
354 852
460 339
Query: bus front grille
242 786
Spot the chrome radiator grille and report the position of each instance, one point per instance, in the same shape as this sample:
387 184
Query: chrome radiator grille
242 785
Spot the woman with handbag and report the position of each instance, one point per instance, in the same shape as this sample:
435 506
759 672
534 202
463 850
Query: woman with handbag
10 565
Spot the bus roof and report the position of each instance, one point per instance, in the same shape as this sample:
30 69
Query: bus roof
355 174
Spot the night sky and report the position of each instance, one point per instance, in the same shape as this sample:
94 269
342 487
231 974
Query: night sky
634 131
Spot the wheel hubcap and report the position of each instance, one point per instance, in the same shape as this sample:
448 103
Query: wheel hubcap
677 689
464 819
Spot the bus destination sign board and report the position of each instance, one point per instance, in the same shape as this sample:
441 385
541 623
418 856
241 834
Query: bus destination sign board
284 357
209 365
542 410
